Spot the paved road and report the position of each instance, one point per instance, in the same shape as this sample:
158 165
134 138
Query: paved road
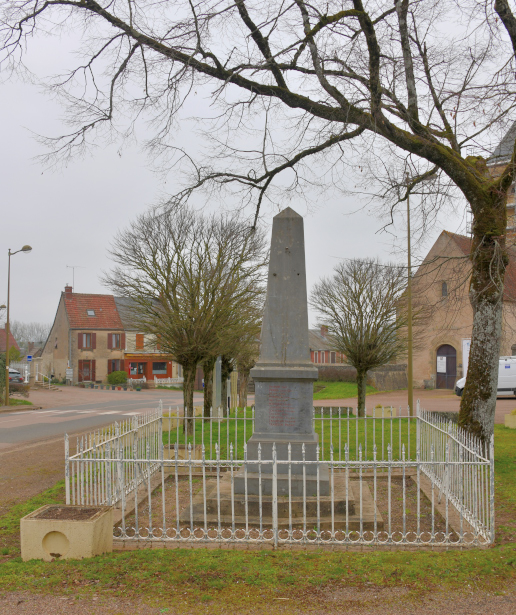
74 411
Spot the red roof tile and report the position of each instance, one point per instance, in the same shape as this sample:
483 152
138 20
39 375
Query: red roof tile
103 306
12 341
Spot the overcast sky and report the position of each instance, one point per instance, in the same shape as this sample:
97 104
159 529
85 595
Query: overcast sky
70 215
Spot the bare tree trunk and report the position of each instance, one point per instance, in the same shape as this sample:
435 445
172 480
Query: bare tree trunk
225 371
207 368
361 385
188 392
489 260
242 388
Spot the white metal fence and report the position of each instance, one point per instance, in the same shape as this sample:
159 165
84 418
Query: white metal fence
165 381
390 480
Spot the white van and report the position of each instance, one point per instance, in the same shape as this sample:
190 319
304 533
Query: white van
506 378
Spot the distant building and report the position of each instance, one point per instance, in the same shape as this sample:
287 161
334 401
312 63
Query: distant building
320 347
441 345
92 335
143 356
500 158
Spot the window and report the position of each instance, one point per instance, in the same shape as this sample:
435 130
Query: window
444 289
115 340
87 341
159 368
137 369
90 312
114 366
332 357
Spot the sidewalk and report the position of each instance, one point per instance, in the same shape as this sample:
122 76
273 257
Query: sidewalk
439 400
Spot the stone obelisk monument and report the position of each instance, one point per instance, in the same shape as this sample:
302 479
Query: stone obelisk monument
284 374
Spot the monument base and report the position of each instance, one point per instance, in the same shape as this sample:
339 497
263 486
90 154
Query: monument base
296 514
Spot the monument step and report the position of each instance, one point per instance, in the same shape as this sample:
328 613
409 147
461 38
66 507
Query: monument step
298 485
296 507
227 517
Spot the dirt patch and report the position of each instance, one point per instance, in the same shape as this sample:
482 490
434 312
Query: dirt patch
68 513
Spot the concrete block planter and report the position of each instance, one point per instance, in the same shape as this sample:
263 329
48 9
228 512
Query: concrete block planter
510 421
66 532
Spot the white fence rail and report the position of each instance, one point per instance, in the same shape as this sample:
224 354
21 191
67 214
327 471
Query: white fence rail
164 381
363 487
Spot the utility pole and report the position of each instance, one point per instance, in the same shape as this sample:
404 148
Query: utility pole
409 310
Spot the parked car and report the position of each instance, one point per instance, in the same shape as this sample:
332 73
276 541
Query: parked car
15 376
506 378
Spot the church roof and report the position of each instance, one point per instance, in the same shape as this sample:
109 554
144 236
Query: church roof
504 150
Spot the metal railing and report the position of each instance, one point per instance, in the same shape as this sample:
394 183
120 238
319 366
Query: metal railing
98 473
362 488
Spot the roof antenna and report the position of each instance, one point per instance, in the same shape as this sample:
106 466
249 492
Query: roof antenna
73 268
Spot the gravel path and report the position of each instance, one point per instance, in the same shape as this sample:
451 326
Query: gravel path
345 600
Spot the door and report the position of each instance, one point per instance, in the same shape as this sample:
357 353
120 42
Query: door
446 372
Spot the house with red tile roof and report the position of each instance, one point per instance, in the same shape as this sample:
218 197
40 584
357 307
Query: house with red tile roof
87 337
12 341
441 284
321 350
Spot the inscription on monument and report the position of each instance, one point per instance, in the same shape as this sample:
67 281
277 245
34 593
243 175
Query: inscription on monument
281 411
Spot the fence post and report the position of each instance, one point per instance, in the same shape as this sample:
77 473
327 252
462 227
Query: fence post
67 469
275 494
492 485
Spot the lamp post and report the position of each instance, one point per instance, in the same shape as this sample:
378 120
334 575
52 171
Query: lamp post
25 249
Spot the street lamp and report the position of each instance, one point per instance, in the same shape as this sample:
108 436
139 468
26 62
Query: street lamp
25 249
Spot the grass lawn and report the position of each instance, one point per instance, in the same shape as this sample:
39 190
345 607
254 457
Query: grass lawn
183 579
331 432
19 402
338 390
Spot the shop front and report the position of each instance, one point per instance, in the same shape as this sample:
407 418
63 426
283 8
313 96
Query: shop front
140 366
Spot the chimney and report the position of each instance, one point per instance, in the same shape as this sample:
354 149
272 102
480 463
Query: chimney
68 292
324 330
30 347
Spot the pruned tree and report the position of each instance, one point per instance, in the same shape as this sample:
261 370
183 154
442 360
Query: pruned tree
362 305
297 85
187 275
239 324
246 359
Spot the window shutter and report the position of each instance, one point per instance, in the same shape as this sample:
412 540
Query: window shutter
139 341
93 369
122 341
109 363
93 341
80 369
110 341
79 341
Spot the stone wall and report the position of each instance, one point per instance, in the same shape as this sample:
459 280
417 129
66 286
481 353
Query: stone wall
388 377
385 378
337 373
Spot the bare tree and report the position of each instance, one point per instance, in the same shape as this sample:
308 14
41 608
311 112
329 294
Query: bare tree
363 308
25 332
430 80
187 275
